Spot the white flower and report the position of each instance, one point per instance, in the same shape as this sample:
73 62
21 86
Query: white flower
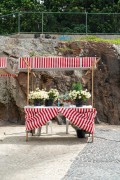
84 95
53 94
38 94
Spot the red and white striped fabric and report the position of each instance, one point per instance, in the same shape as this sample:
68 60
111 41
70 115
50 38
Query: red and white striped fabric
26 61
42 63
37 117
3 68
3 62
88 61
7 75
81 117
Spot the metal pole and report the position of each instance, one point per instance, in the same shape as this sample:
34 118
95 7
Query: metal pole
18 22
42 22
32 82
28 77
86 22
92 84
28 80
92 92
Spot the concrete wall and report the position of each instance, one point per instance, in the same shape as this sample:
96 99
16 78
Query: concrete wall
66 37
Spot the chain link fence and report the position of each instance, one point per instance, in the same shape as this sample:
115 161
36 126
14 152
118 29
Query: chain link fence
60 23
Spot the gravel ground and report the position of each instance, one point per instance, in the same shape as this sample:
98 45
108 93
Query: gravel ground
99 160
59 156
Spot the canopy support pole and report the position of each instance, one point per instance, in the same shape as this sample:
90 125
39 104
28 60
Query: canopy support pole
32 82
93 66
28 86
93 93
92 85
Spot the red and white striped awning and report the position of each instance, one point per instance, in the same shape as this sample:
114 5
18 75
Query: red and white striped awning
8 75
56 63
5 71
3 62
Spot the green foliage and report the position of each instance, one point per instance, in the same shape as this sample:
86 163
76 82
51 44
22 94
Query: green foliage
77 86
60 23
32 54
83 5
9 23
97 39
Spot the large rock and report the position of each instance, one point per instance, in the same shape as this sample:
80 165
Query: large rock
107 76
106 81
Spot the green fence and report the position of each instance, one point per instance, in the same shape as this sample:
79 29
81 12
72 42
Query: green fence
60 23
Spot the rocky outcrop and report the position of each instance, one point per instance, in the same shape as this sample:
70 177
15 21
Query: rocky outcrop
106 81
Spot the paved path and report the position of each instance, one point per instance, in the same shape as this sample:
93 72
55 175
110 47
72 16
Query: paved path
41 158
99 160
59 156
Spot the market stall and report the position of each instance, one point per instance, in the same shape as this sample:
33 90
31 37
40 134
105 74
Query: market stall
38 116
5 69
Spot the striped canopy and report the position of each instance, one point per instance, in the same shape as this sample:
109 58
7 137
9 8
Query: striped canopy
55 63
5 69
3 62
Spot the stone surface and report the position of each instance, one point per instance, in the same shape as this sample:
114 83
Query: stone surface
106 76
98 160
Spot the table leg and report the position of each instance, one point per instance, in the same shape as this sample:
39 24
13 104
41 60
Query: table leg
67 124
39 131
47 127
50 123
92 137
33 131
26 136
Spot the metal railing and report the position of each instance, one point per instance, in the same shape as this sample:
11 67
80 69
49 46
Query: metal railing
60 23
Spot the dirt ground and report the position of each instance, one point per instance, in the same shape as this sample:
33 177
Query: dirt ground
45 157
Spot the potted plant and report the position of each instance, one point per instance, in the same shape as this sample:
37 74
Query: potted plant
38 96
77 86
79 96
53 95
65 98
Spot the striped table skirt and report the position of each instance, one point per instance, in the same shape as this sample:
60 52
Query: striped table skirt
37 116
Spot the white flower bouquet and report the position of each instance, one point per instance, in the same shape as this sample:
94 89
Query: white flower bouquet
53 94
38 94
83 95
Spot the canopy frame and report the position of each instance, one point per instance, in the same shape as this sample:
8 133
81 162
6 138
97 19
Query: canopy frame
29 69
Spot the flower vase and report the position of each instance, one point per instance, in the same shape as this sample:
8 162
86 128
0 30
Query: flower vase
78 102
67 103
38 102
49 102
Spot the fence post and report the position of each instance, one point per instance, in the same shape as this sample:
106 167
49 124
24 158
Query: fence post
86 23
18 22
42 22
